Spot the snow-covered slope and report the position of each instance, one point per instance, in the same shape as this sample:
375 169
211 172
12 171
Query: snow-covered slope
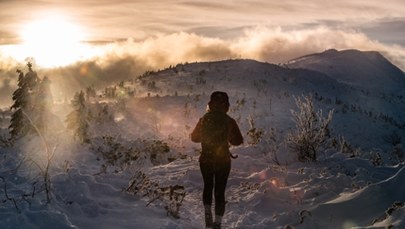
141 170
270 90
366 69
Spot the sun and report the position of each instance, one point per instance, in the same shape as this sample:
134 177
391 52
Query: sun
52 41
51 31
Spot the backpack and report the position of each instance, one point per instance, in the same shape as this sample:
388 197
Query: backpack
214 133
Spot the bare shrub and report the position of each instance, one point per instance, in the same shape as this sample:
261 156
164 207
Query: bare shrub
255 134
312 129
171 196
118 154
343 146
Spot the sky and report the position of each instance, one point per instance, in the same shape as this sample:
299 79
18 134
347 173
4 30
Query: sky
100 41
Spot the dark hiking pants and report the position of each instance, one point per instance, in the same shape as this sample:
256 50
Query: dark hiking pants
215 177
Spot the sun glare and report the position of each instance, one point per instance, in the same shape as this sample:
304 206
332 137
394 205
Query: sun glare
52 41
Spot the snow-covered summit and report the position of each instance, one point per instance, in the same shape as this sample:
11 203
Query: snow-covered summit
369 69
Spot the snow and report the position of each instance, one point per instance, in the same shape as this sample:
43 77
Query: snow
121 179
368 69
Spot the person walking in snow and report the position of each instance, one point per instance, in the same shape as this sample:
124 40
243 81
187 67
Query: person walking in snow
216 131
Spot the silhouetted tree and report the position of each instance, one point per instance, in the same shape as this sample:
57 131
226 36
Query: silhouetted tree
23 102
90 92
78 120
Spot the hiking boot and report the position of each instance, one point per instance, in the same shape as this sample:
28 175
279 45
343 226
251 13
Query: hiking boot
216 226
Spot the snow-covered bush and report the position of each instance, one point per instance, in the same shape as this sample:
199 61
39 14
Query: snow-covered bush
119 153
255 134
343 146
375 158
170 196
272 143
312 129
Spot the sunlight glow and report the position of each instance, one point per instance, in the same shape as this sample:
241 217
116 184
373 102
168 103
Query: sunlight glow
52 41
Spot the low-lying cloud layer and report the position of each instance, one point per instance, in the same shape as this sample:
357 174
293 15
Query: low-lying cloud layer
128 59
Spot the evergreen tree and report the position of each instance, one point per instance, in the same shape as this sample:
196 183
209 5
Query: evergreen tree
90 92
78 120
31 78
20 97
23 103
32 100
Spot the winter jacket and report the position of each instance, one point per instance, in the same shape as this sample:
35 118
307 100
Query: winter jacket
220 150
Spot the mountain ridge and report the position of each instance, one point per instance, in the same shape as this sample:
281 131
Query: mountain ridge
265 84
368 69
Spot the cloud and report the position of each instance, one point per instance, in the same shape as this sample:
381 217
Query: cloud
277 45
128 59
388 30
106 20
111 20
270 44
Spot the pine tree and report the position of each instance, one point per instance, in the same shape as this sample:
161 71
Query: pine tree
32 100
78 120
31 78
20 102
90 92
23 103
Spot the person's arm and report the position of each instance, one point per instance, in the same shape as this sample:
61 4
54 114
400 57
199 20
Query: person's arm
196 134
235 136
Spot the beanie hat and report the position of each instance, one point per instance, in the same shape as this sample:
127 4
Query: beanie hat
218 99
